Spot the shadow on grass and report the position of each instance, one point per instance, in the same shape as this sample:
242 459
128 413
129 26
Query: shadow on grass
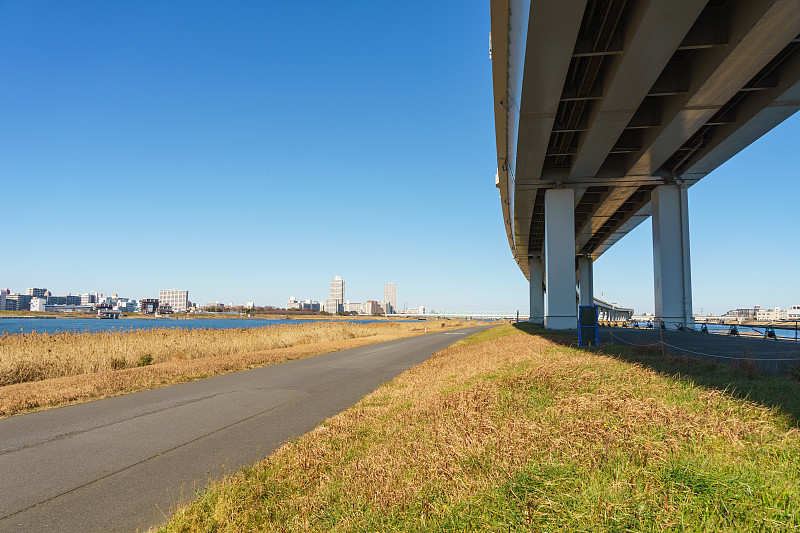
741 381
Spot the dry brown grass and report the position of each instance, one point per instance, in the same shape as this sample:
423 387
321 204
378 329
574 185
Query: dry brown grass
441 446
42 370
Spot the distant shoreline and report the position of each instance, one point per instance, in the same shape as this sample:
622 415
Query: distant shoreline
38 315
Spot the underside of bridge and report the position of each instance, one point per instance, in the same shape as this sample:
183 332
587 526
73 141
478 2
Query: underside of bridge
611 110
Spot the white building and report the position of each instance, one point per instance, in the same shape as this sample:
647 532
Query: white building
178 300
37 292
350 307
38 304
371 307
771 314
337 295
337 289
292 303
310 305
126 305
332 306
793 313
390 297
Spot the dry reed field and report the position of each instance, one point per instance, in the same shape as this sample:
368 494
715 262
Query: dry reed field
47 370
519 433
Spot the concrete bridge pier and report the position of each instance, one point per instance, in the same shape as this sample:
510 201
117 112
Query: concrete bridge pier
672 274
559 247
586 280
537 289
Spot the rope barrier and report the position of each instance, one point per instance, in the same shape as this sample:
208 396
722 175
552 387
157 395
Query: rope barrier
638 345
734 357
693 329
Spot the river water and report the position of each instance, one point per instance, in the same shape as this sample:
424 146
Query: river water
58 325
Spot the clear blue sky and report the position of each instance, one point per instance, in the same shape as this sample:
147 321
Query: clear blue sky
254 150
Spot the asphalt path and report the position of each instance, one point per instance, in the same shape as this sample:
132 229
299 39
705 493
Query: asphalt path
121 464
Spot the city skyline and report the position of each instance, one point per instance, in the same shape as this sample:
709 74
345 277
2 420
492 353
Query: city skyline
99 136
389 289
178 299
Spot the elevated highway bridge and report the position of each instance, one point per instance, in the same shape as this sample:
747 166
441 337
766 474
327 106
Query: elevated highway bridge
608 111
606 311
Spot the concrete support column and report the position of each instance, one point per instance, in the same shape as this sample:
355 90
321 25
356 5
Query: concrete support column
559 245
672 273
586 280
536 269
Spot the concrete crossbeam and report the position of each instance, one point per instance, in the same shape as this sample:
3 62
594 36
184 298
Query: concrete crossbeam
610 205
633 221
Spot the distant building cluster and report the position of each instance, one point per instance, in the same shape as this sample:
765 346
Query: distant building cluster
306 305
38 299
757 313
337 303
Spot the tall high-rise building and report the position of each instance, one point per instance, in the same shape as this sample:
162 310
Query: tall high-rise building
390 296
177 300
337 293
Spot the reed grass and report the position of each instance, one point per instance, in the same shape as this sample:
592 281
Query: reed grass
36 356
40 369
517 432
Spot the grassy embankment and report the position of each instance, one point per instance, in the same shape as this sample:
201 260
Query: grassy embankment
514 431
46 370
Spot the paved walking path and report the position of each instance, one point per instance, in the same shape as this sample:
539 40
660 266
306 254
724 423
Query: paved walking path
122 463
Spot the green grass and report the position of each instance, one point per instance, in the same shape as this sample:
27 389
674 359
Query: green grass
508 431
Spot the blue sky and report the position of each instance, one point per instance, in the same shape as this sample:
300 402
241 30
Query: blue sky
253 151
